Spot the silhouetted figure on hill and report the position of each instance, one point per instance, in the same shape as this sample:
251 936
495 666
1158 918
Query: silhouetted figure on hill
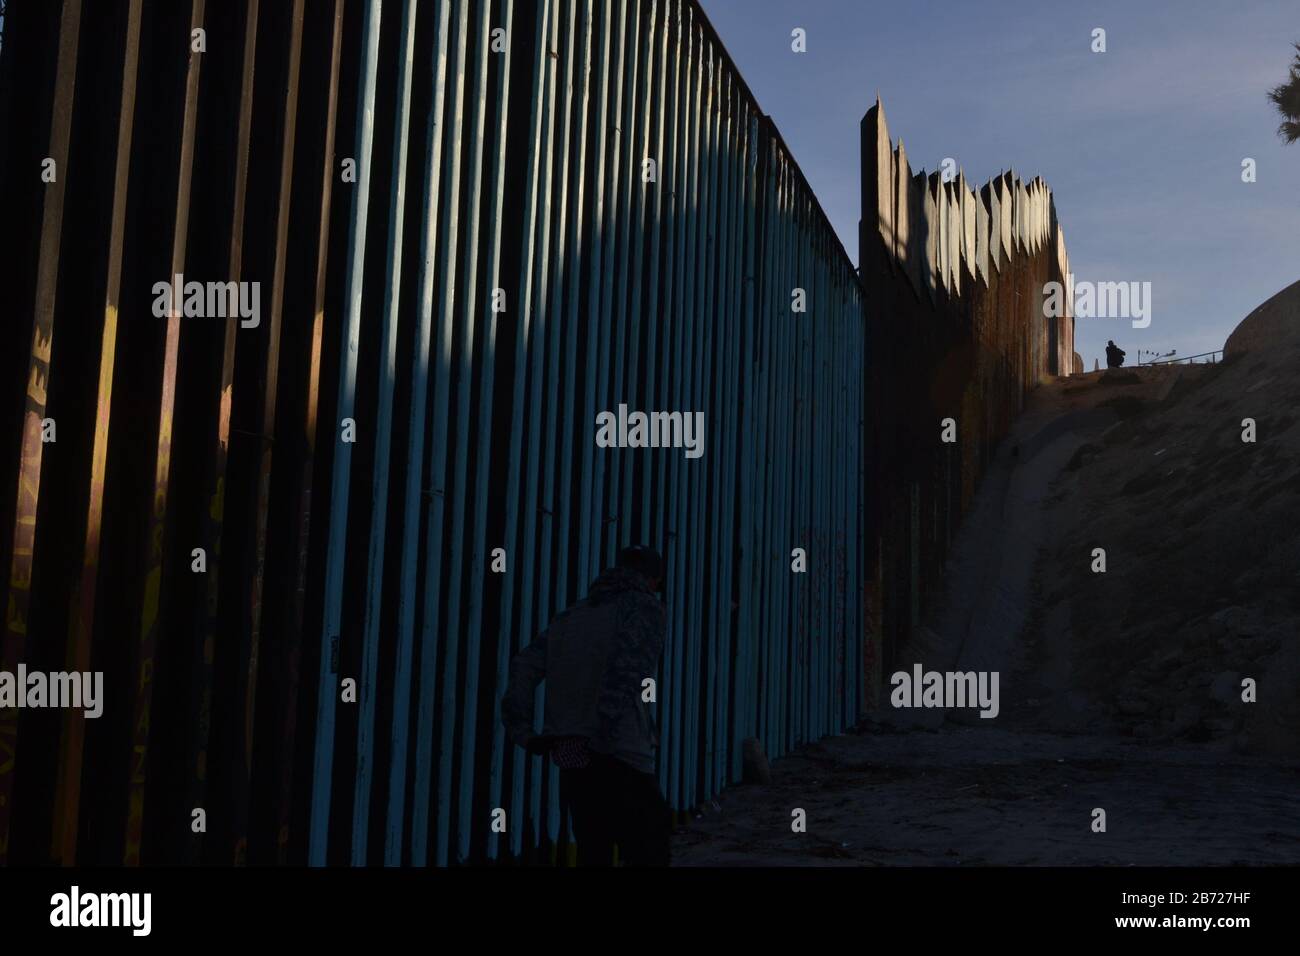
597 728
1114 355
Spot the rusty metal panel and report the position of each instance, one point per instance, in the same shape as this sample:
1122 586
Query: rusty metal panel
80 635
17 604
971 356
153 582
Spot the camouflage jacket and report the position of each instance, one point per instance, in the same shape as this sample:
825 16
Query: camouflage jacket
593 658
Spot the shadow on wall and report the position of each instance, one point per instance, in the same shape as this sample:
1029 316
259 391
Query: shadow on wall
349 467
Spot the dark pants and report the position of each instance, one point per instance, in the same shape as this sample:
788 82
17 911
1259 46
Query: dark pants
613 803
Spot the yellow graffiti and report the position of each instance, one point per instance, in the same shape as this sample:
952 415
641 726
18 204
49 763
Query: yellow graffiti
164 434
14 620
21 579
135 818
223 425
137 776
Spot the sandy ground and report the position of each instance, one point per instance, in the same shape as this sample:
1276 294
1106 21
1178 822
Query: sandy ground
975 796
1118 691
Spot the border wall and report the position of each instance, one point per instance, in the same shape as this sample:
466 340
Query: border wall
954 281
230 520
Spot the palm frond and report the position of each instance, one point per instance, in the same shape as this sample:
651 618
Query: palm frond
1286 97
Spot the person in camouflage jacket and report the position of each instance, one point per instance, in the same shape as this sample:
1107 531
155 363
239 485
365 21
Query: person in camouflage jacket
597 728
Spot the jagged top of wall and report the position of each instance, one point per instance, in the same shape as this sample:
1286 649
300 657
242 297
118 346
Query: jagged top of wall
946 236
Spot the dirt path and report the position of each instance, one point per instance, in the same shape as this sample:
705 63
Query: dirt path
918 787
980 796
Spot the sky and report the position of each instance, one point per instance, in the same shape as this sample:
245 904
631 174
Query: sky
1142 145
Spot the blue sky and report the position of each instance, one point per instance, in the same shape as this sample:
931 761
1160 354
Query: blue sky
1142 145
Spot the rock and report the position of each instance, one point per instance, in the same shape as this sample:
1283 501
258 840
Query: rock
1220 622
1182 673
1168 661
1226 687
1132 707
1198 734
1254 647
1234 622
755 768
1248 584
1078 702
1119 432
1186 716
1082 456
1149 481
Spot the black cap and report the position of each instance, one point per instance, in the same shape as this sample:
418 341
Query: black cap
643 560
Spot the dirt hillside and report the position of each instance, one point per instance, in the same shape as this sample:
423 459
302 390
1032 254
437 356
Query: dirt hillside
1201 531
